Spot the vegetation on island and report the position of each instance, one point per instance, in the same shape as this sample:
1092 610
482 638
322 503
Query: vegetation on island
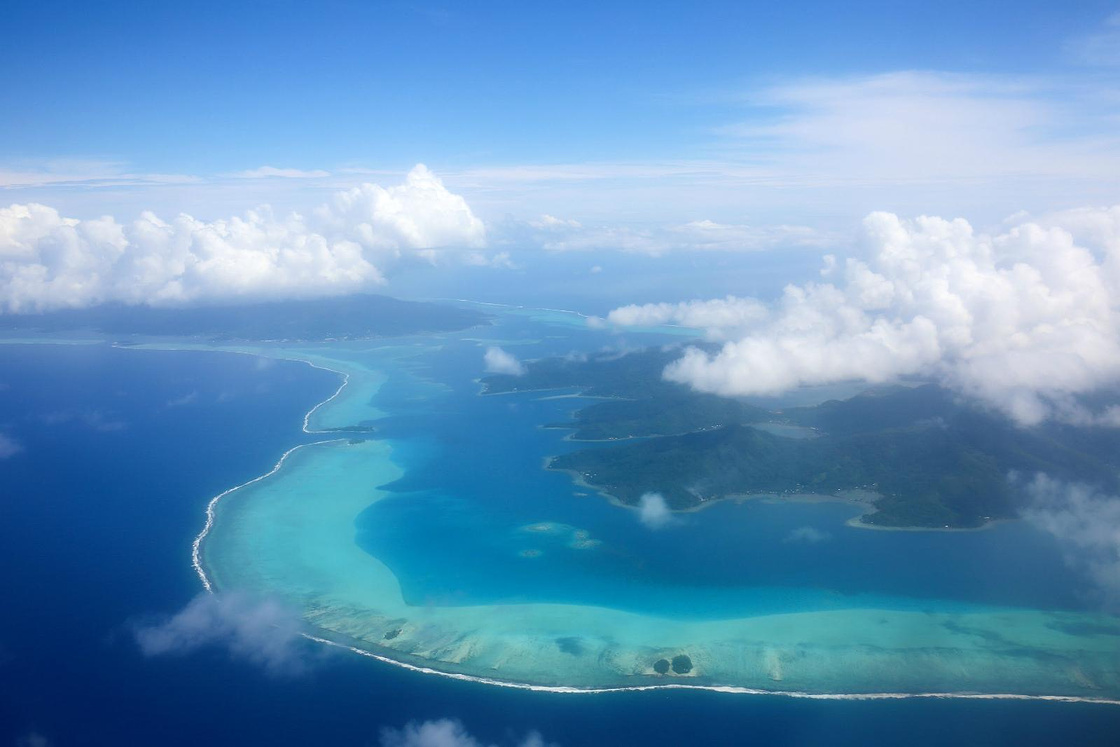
932 460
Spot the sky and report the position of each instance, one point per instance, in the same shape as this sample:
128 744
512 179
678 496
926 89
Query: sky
832 192
607 113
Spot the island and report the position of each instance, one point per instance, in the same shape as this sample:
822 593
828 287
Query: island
926 458
354 317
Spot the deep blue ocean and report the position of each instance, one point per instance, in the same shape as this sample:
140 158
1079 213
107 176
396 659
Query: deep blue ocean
119 452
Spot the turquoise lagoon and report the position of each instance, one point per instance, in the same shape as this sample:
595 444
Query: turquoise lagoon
423 529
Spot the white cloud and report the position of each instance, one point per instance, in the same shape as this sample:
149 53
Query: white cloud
264 632
499 361
908 127
182 401
48 261
808 535
1023 321
653 511
443 733
419 214
698 235
266 172
551 223
1087 523
9 447
721 316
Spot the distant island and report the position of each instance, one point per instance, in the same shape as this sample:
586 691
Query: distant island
927 459
353 317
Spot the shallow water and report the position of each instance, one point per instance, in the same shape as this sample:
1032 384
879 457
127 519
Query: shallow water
441 542
95 531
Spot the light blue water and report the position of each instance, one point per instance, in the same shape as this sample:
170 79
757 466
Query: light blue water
454 534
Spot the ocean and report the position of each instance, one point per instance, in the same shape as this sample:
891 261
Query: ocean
117 452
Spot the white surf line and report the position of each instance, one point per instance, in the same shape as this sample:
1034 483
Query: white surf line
196 562
196 545
731 689
345 380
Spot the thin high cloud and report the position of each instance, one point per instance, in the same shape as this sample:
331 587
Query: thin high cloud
261 631
1101 48
344 246
272 172
446 733
9 447
910 127
560 235
1023 321
1087 524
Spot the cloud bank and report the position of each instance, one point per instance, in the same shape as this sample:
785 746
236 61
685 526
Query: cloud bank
1087 523
499 361
49 261
1023 321
443 733
261 631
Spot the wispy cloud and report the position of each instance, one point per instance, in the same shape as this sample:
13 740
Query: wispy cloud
33 739
90 173
1087 523
272 172
807 535
98 420
912 127
1099 48
446 733
262 631
9 447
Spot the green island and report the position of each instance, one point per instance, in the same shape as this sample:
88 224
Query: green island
928 459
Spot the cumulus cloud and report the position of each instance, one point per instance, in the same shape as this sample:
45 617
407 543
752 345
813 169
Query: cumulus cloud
653 511
262 631
9 447
443 733
1023 321
49 261
499 361
1087 523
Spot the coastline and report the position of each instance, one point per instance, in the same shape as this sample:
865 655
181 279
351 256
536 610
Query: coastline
854 522
198 564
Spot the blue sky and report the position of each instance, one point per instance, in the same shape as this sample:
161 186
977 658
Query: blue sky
205 88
